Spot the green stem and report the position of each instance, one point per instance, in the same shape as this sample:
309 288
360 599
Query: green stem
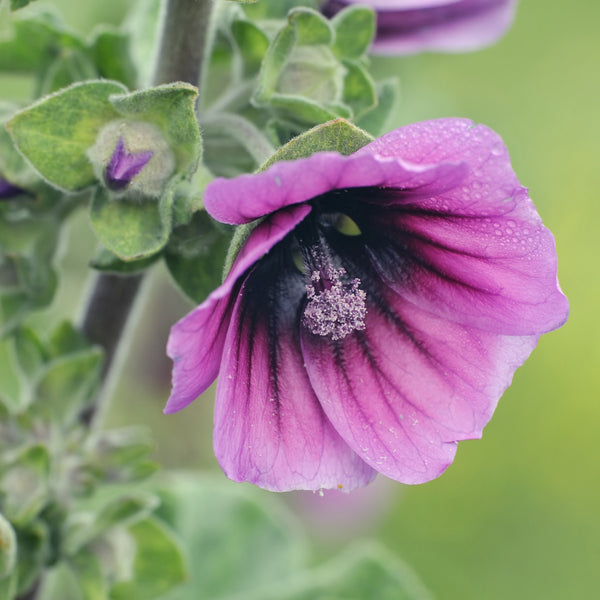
183 43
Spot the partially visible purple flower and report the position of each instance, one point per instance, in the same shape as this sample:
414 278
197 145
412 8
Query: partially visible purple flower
408 26
374 316
8 190
124 166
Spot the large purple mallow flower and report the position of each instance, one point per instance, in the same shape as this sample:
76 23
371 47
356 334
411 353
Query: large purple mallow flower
374 315
408 26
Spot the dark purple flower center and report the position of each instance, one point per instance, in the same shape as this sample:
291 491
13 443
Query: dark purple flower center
124 166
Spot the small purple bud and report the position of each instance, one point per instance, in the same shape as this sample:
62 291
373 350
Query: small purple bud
124 166
8 190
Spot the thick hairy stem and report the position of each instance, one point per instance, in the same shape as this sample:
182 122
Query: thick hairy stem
183 42
107 311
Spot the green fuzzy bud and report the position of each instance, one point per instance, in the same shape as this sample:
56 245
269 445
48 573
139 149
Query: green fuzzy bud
132 158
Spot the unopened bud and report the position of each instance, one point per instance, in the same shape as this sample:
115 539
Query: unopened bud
8 190
132 158
313 72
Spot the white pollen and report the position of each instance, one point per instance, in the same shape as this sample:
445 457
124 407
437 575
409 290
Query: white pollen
339 308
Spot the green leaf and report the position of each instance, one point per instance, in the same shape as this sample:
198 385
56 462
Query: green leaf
27 279
359 89
131 230
71 65
374 121
89 576
171 108
230 529
29 352
276 9
67 385
277 55
310 26
111 51
34 42
33 547
105 260
66 339
16 4
118 512
196 254
55 133
335 136
25 485
367 570
304 110
142 26
8 587
158 564
252 45
8 548
354 29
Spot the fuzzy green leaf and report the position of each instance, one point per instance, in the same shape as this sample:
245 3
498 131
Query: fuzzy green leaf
131 230
310 27
374 121
335 136
227 530
55 132
354 29
88 573
171 108
25 485
359 89
111 51
273 64
32 551
252 45
158 564
120 511
67 385
366 570
8 547
195 256
105 260
16 4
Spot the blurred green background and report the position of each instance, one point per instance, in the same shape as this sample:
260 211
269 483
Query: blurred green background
517 515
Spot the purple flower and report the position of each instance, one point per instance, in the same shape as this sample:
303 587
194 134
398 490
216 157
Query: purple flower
124 166
375 315
408 26
8 190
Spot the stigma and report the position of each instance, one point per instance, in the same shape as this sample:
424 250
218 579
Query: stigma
336 305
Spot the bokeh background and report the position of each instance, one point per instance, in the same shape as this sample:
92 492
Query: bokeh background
518 514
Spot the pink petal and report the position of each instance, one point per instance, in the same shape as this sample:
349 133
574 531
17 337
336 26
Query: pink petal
248 197
196 341
497 273
269 427
405 390
477 252
409 26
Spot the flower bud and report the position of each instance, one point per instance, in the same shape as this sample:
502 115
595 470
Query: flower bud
314 73
132 158
8 190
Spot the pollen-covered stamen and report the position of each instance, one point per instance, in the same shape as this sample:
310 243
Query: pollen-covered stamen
336 305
